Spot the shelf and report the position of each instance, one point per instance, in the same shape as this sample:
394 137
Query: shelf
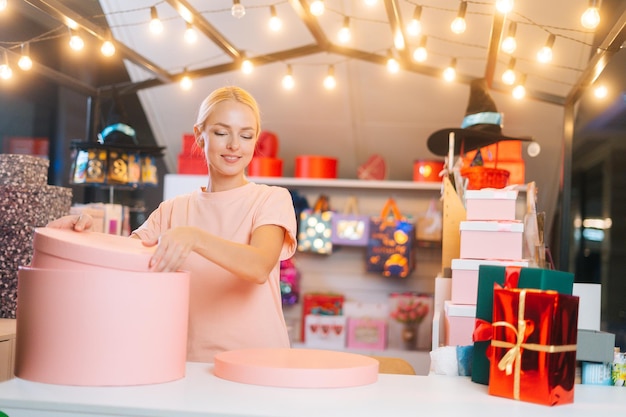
181 183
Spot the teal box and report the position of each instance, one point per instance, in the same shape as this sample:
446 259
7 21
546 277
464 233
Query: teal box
489 275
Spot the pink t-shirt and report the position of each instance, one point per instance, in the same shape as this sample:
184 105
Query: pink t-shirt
227 312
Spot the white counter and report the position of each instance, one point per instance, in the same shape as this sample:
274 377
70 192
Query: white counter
201 393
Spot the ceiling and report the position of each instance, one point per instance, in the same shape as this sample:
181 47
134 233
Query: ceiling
370 111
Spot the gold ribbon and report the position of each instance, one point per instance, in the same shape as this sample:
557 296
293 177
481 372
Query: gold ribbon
511 362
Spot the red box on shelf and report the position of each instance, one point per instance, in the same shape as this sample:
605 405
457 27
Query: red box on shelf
192 165
533 350
324 304
312 166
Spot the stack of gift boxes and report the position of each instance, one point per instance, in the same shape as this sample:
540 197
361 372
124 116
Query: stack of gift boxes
490 235
26 202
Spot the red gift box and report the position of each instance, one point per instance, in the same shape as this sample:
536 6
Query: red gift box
533 350
320 304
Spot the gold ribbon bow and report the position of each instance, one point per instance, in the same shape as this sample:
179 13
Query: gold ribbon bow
511 362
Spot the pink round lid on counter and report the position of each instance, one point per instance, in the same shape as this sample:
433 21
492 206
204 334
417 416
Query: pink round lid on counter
60 248
296 368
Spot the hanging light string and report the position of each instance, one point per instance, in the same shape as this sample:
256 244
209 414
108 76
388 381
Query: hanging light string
553 32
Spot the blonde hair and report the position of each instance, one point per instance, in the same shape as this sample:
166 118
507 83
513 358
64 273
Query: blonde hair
237 94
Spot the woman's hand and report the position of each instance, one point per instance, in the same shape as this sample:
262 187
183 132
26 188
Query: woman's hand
175 245
75 222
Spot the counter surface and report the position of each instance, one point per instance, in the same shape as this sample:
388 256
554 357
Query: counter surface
201 393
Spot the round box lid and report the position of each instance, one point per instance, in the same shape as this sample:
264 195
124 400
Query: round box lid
296 368
93 248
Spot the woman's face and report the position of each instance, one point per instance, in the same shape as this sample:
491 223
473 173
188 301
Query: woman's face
229 138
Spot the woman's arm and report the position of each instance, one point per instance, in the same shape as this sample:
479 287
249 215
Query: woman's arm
252 262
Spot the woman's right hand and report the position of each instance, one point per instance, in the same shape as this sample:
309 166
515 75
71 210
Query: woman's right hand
77 222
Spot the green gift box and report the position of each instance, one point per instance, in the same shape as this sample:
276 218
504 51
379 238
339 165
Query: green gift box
509 277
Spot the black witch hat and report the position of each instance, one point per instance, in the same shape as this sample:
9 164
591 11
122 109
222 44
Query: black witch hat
482 125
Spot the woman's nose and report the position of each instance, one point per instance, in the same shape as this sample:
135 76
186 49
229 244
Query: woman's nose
233 143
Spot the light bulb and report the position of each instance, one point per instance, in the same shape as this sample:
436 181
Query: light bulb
600 91
317 8
504 6
238 11
275 23
156 26
449 74
191 35
590 19
25 63
3 5
545 53
288 80
185 83
247 67
420 54
5 70
107 48
414 28
509 45
344 34
76 42
329 81
508 77
459 25
519 92
392 65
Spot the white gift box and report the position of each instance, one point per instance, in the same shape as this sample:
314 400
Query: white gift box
490 204
325 332
491 240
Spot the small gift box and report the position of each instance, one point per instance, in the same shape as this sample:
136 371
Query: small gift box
350 228
367 325
509 277
533 349
325 332
491 239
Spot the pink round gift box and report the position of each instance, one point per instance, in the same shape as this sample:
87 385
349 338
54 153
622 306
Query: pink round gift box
89 325
100 328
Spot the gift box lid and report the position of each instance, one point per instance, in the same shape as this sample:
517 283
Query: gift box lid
459 310
473 264
491 194
94 248
492 226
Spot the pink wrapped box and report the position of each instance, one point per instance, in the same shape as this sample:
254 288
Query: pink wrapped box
490 204
491 240
464 285
460 319
367 333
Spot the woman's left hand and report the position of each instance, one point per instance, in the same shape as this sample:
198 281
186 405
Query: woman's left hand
174 246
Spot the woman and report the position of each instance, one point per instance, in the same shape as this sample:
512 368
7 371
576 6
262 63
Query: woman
230 235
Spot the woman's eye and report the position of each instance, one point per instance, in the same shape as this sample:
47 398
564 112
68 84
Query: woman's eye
248 137
220 133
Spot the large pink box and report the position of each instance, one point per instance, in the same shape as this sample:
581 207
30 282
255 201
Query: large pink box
491 240
490 204
464 284
460 319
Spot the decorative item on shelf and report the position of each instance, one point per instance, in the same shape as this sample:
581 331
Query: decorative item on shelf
429 225
116 159
374 168
427 170
289 282
409 309
322 304
314 166
390 244
316 228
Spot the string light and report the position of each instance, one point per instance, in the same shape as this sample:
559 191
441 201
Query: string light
329 81
508 77
344 34
590 19
3 5
191 35
509 44
600 91
107 49
519 92
317 8
414 28
156 26
392 64
545 53
76 42
25 63
504 6
370 3
449 74
288 80
5 70
238 11
421 54
275 23
459 25
246 66
185 81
